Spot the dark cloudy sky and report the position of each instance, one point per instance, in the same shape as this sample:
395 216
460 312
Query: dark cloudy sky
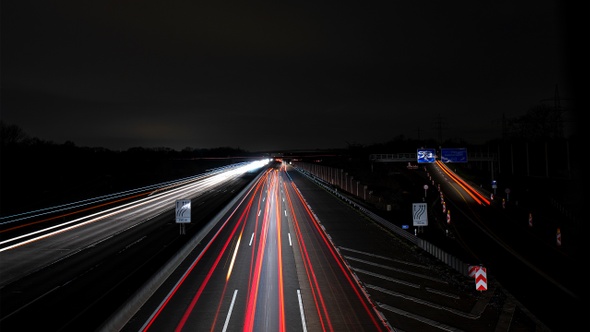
266 75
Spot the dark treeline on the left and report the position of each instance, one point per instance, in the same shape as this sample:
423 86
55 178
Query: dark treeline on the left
35 173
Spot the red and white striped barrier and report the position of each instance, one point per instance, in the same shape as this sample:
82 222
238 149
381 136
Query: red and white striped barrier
481 277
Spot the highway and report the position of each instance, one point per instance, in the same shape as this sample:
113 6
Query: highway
269 248
74 274
268 266
70 267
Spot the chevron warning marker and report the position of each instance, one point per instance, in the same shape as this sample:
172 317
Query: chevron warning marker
481 279
472 269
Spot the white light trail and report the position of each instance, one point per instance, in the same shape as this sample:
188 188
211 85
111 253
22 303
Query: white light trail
165 197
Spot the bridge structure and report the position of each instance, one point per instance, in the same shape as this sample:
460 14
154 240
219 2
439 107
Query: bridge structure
413 157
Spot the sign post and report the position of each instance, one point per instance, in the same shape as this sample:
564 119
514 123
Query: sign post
420 215
183 213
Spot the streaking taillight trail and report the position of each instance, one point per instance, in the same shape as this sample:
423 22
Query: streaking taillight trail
196 297
256 268
316 291
354 284
479 198
259 251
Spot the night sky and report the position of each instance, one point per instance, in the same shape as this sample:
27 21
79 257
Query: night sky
272 75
